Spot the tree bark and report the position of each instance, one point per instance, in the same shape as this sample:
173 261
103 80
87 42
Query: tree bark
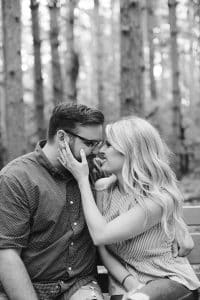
115 48
72 63
178 130
54 41
38 80
150 26
14 106
98 53
132 62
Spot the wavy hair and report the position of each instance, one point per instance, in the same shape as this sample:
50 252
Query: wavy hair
146 171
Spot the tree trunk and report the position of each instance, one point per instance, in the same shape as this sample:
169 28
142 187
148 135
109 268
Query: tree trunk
132 62
54 41
98 53
150 26
176 113
14 106
72 63
115 48
38 80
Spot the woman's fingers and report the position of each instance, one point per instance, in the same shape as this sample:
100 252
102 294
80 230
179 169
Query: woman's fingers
67 151
83 156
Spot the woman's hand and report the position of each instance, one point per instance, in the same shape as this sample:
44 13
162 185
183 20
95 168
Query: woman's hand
104 183
130 295
78 169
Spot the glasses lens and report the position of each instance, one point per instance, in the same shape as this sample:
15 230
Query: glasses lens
89 143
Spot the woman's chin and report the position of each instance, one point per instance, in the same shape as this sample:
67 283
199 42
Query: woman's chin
105 168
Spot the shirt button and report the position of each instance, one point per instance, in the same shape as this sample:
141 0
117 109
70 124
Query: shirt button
71 202
75 223
69 268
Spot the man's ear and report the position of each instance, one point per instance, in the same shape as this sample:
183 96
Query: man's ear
61 134
62 137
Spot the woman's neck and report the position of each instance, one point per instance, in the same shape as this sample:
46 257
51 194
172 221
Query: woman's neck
120 184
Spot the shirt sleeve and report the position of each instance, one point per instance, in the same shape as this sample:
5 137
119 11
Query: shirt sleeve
14 213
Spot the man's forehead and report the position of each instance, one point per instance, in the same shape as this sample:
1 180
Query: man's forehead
91 131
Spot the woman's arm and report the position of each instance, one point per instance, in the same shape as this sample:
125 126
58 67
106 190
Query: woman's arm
117 270
126 226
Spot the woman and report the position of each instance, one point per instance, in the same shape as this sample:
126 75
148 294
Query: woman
138 216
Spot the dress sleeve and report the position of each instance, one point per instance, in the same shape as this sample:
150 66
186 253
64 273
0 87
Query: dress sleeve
14 213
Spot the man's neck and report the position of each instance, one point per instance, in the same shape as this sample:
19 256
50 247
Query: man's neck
51 153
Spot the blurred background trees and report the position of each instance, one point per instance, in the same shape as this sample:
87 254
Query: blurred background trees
122 56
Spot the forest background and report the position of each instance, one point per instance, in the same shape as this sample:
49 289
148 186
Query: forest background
124 57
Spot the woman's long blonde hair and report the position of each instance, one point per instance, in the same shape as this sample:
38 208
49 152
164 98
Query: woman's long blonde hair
146 171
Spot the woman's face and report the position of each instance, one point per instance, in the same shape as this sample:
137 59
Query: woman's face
113 159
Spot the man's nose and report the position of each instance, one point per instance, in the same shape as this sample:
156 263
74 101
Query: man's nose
95 151
102 149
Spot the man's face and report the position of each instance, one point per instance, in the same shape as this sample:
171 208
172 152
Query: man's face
87 135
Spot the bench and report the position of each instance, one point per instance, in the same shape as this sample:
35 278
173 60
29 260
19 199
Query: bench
192 218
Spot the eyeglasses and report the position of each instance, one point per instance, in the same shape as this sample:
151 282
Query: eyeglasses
88 143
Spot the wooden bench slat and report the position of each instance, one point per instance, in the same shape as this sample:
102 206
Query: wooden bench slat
192 214
194 256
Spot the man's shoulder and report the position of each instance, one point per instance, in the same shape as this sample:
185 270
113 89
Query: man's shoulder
18 166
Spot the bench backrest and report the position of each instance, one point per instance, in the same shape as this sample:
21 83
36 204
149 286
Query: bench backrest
192 218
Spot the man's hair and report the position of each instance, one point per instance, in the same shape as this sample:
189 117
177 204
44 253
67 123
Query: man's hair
68 116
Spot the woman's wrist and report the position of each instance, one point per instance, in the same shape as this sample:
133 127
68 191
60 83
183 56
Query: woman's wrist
129 282
83 181
125 278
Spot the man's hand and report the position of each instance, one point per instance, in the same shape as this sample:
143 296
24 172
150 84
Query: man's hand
182 247
183 243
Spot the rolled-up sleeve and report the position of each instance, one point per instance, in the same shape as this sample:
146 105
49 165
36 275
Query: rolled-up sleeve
14 214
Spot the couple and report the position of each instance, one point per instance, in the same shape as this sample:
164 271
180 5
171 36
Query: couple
46 249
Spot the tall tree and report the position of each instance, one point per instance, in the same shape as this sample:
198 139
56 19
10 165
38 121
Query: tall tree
132 62
14 106
72 62
54 11
98 49
115 48
150 26
38 80
177 126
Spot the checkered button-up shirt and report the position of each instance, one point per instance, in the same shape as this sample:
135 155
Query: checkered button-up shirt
41 214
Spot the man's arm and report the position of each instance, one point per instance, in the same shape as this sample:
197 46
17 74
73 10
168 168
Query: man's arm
183 240
14 277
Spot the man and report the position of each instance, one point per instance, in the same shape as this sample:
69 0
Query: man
45 248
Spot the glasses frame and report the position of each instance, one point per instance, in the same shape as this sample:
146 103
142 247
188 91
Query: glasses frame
91 143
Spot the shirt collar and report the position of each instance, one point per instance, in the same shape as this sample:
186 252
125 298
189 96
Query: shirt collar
44 161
